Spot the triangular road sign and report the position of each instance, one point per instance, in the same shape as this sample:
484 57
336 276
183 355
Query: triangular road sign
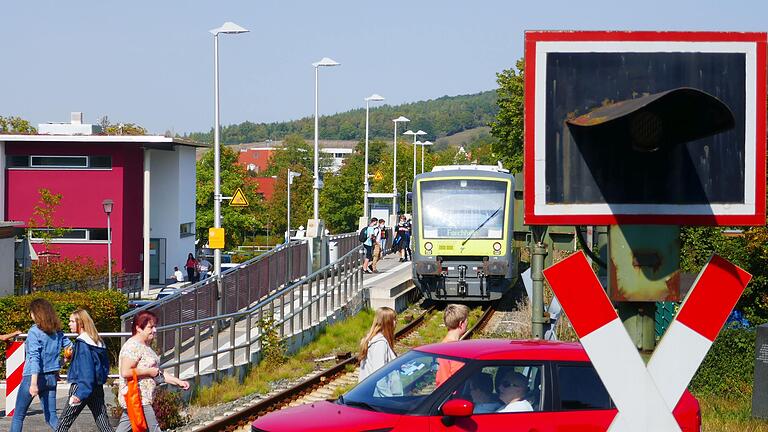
238 199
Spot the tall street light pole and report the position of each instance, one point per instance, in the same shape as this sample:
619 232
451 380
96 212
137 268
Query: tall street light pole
108 203
366 187
324 62
415 135
423 144
394 164
226 28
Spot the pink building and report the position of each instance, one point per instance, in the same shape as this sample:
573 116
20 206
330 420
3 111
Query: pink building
150 179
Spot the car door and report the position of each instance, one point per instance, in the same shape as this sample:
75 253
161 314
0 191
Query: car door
580 402
488 401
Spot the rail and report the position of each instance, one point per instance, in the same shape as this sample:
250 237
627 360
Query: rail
345 242
208 344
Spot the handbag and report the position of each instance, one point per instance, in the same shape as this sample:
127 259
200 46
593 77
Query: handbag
133 405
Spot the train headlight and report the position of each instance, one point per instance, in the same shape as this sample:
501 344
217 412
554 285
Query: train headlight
497 246
428 247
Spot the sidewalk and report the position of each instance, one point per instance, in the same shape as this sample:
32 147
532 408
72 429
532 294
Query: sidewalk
35 421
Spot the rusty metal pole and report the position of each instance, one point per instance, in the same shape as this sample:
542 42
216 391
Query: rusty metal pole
538 253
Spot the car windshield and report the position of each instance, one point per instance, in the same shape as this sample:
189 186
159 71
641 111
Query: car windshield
402 384
461 208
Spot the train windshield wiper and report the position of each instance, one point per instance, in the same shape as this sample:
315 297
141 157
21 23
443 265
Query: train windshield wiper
480 226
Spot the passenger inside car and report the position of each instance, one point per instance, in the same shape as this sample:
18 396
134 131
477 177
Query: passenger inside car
481 393
512 388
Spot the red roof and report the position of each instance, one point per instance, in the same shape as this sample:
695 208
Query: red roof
265 186
506 349
258 157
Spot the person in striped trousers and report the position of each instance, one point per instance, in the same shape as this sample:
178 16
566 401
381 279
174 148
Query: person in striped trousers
87 374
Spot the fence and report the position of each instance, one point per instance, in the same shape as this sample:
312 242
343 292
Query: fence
345 242
128 283
202 344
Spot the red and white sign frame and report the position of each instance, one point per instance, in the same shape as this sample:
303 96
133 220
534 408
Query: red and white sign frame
538 212
646 396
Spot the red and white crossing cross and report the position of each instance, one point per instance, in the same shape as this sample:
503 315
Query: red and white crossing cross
646 396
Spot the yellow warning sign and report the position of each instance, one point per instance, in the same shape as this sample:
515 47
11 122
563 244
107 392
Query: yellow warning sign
216 238
378 176
238 199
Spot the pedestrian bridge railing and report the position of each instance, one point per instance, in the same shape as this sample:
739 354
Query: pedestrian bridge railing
194 343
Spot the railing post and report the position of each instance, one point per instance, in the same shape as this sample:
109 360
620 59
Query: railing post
248 323
177 349
309 302
232 325
325 293
293 307
282 316
215 349
197 353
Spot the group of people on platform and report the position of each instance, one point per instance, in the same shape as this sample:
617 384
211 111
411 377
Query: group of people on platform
88 368
375 237
377 349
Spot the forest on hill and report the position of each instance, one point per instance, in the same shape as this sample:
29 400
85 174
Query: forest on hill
439 117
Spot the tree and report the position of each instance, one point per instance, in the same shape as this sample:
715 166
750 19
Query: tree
301 199
16 125
237 221
341 199
120 128
295 151
43 222
508 127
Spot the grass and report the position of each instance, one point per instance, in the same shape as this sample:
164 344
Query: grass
729 414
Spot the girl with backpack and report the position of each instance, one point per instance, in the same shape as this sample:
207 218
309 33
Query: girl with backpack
87 374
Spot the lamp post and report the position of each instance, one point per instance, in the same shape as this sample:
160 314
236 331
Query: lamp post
394 164
108 203
366 188
415 134
423 144
324 62
291 176
226 28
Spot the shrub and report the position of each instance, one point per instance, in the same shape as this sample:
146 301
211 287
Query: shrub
167 406
728 369
66 271
104 306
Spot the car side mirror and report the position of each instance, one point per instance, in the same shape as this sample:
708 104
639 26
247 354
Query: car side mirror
456 408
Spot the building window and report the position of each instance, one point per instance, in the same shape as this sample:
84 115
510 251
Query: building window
69 162
187 229
72 235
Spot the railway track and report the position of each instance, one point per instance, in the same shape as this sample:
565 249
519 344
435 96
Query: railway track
322 385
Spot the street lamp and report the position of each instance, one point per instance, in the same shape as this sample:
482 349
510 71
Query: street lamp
324 62
415 134
108 203
226 28
394 164
366 188
423 144
291 176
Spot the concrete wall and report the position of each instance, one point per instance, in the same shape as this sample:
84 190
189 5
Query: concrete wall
7 261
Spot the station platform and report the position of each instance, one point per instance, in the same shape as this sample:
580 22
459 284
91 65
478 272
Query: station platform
392 286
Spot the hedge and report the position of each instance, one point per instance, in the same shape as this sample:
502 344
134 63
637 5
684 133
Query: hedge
729 367
104 306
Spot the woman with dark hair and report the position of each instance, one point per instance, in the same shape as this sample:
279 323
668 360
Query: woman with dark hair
137 355
45 341
191 267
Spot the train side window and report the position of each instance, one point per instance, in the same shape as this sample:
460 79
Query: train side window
580 388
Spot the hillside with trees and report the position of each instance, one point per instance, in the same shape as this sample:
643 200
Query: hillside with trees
440 117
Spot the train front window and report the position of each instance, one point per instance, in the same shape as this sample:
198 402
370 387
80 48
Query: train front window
462 208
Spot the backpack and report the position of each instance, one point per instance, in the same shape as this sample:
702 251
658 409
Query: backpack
363 235
384 234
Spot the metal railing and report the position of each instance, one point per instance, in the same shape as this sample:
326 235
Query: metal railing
208 344
240 287
345 242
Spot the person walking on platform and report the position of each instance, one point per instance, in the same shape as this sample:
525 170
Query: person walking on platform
383 235
45 340
376 246
404 233
87 374
370 235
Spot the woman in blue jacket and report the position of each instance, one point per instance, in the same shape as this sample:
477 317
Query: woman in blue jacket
45 341
87 374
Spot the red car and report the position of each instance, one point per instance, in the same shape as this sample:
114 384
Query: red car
475 385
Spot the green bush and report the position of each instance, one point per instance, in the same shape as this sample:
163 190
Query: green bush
167 406
104 306
729 367
66 270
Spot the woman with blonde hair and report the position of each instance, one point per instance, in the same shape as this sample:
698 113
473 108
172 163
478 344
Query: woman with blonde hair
376 346
87 374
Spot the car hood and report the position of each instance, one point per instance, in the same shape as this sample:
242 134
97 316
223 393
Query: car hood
325 416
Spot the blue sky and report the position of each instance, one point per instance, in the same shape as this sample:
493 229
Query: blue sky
151 62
